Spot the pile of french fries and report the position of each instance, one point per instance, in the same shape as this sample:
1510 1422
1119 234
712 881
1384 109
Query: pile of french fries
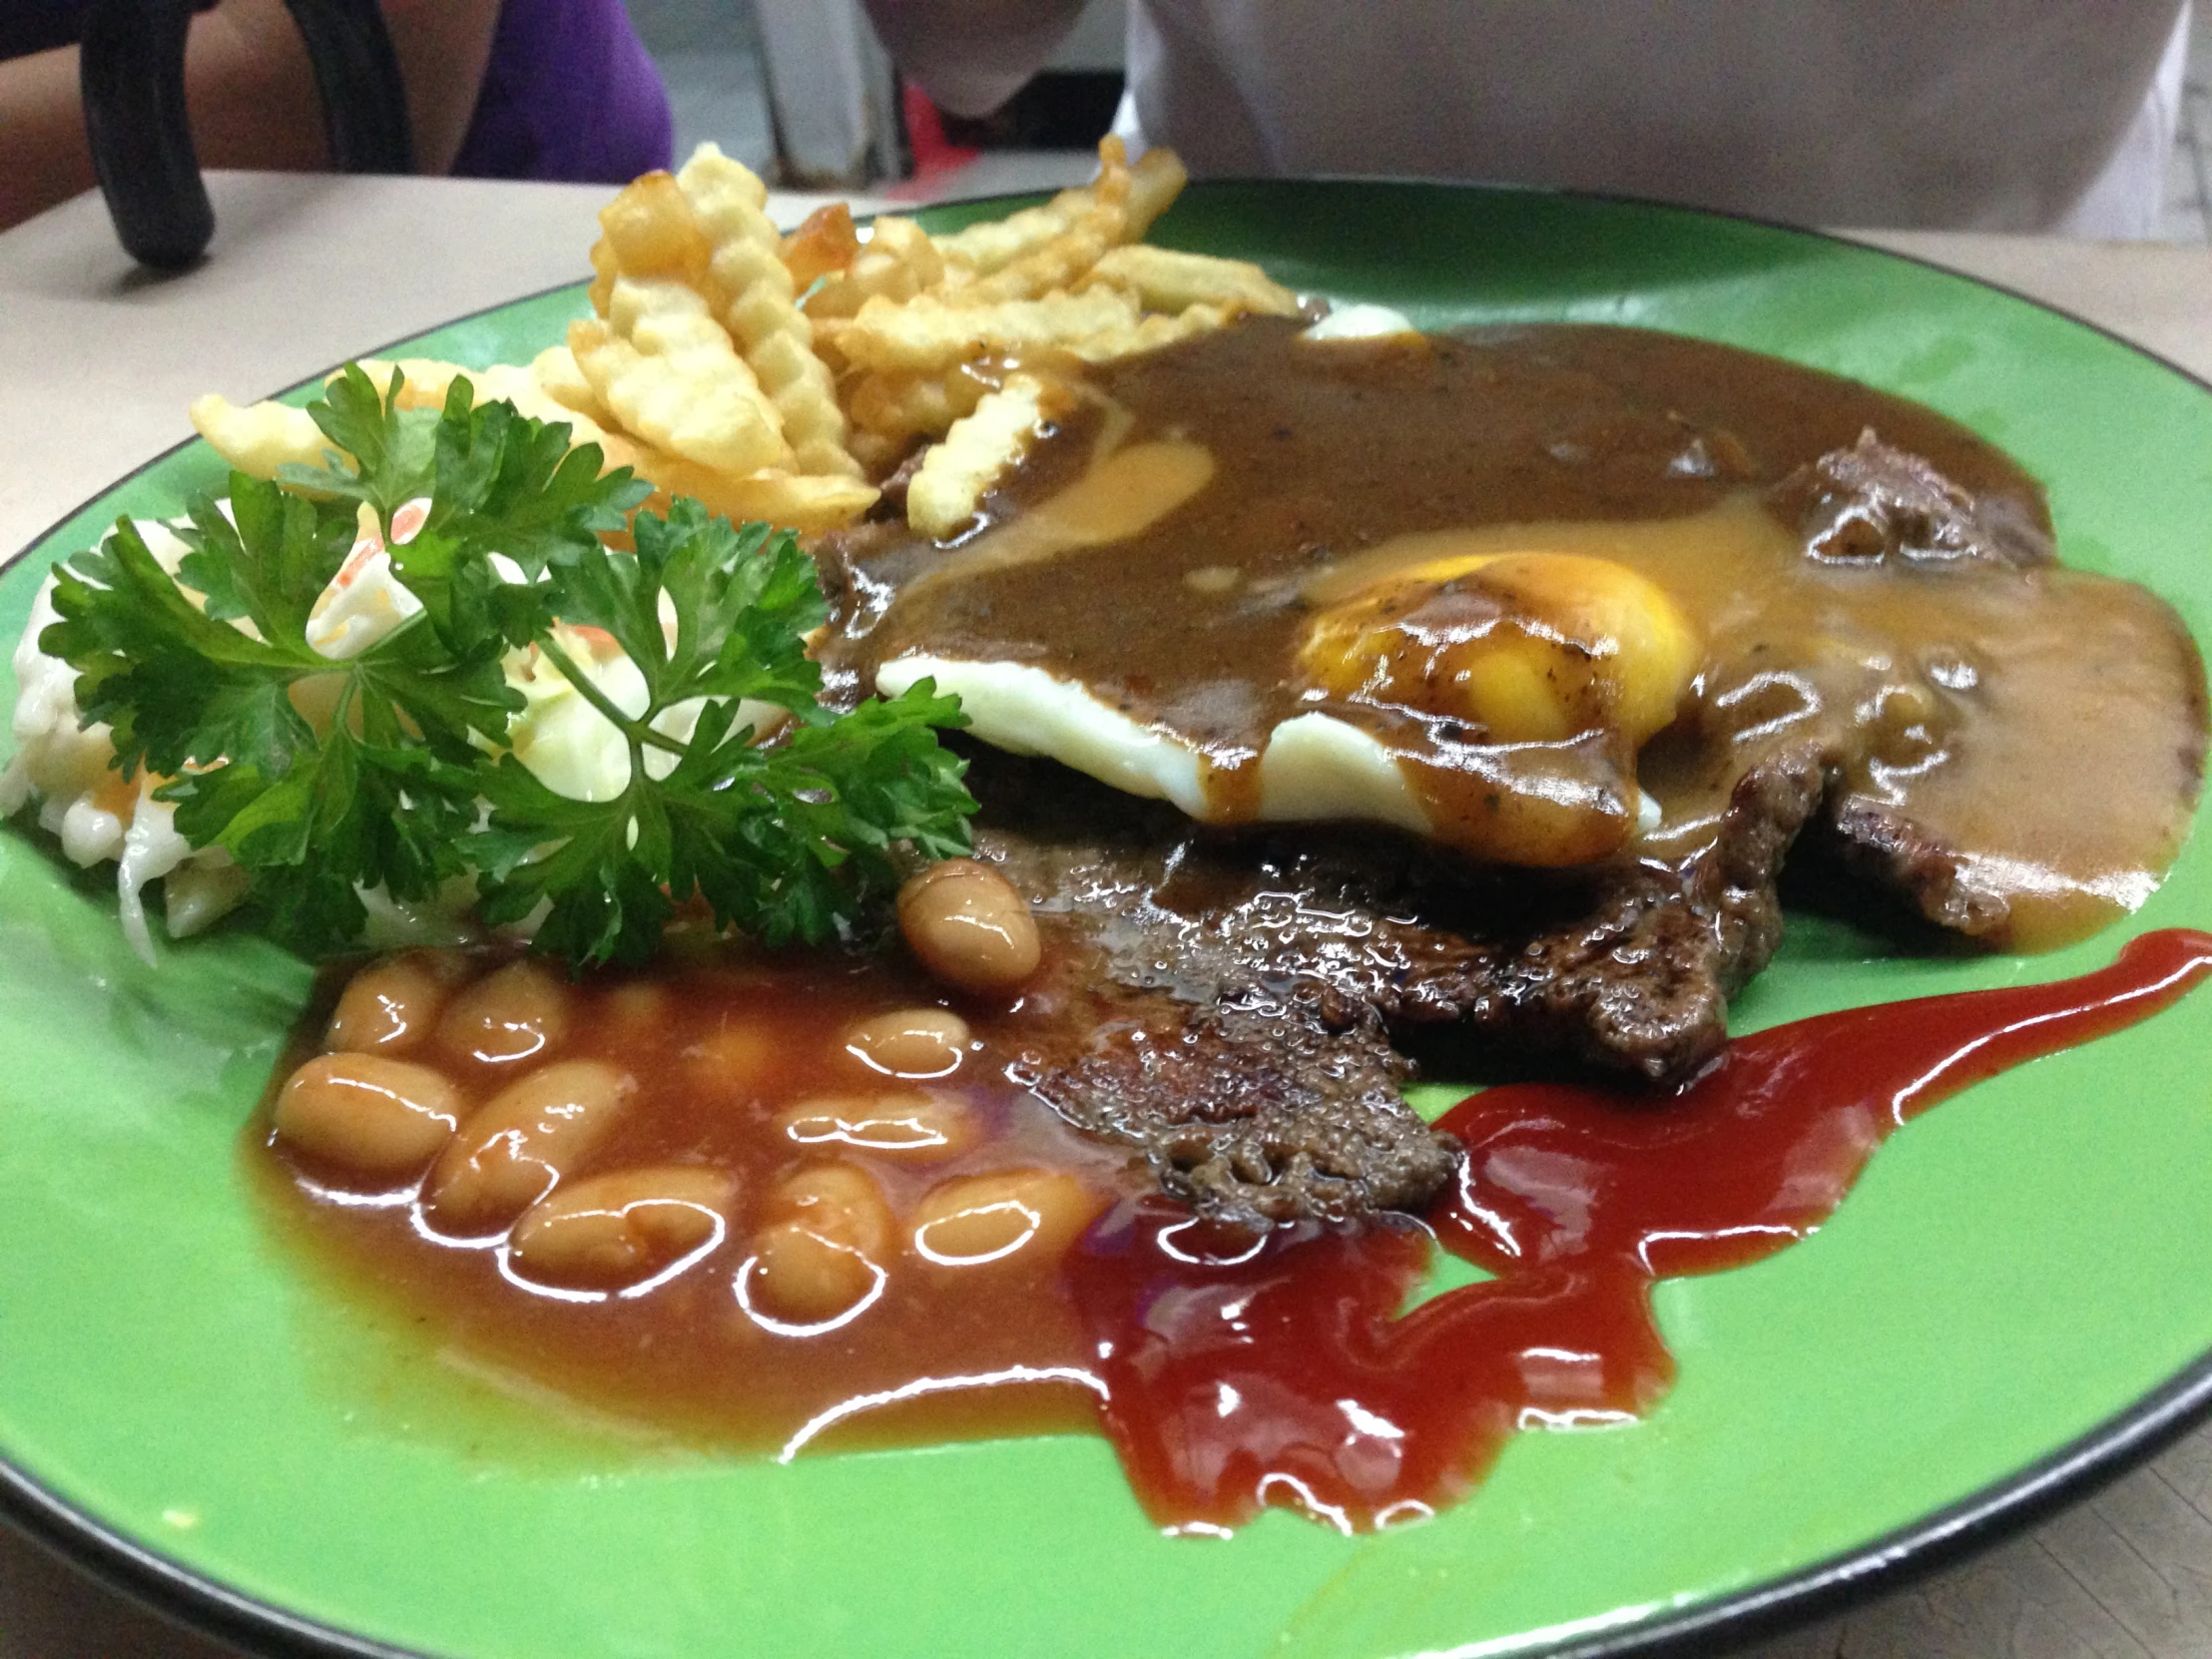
786 377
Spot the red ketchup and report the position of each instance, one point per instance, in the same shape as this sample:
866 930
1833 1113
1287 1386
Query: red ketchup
1243 1371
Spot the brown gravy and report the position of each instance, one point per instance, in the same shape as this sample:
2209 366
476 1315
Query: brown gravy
2043 728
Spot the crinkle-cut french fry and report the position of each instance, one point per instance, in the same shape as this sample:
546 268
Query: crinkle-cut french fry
561 378
799 501
1157 180
758 310
899 261
908 405
1166 279
1102 206
809 503
953 475
929 333
800 385
258 438
427 381
647 230
825 240
1150 333
672 377
1092 221
1056 267
1060 264
603 274
739 182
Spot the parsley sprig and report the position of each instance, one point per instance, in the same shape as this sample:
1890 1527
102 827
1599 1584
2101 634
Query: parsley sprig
391 768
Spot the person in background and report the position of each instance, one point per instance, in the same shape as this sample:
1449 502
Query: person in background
500 89
2002 115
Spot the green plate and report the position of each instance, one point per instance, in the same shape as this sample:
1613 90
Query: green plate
2017 1295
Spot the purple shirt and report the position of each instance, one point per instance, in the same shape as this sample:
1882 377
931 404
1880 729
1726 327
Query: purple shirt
569 94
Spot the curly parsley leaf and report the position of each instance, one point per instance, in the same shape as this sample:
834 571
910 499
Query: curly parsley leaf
781 839
299 766
820 813
509 483
351 816
384 454
498 483
324 777
742 601
181 687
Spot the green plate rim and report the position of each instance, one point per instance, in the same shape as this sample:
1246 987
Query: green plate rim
2000 1510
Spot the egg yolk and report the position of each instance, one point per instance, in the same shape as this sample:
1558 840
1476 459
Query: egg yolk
1529 647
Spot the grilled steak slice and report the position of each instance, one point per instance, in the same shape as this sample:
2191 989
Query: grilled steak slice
1873 502
1224 1003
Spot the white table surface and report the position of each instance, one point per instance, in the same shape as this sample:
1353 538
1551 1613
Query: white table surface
98 361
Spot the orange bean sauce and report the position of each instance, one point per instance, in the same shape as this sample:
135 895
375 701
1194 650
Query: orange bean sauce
742 1067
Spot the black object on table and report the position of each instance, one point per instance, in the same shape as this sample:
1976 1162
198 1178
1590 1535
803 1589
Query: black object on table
132 70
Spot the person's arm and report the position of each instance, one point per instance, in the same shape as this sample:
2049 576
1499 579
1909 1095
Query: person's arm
970 56
251 95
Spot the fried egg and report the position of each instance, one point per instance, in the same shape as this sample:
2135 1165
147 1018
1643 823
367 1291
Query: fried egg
1529 648
1520 647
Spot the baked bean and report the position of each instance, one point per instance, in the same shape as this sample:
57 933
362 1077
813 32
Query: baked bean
391 1005
967 925
822 1251
512 1152
367 1114
933 1125
519 1012
988 1218
910 1042
615 1230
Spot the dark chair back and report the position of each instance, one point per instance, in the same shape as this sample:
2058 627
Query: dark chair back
133 76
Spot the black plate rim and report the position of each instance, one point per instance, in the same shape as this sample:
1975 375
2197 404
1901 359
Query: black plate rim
2000 1510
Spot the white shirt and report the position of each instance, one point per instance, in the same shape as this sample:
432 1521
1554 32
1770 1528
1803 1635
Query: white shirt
2002 115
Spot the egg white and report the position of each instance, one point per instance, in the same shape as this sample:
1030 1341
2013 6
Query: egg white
1314 767
1361 322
